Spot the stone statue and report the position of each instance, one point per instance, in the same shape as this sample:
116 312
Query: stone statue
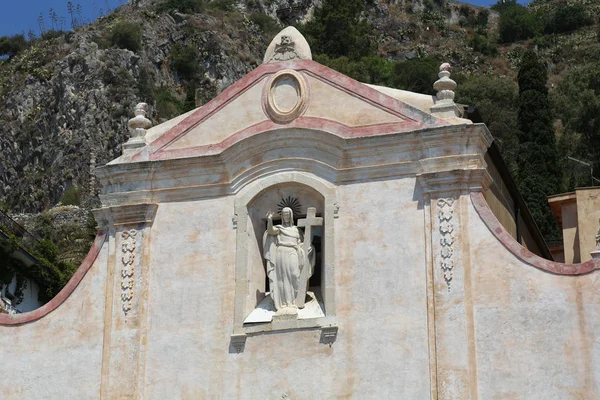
290 261
598 240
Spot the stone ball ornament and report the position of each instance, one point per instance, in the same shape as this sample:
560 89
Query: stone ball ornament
286 96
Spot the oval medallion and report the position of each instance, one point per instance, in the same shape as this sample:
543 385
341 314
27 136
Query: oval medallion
286 96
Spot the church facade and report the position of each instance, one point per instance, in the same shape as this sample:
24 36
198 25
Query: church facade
307 236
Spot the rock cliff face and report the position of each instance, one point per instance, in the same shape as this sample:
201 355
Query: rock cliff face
65 102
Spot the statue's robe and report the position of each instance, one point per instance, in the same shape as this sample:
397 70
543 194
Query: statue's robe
286 259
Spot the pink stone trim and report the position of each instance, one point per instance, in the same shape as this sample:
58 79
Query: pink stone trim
521 252
413 118
18 319
313 123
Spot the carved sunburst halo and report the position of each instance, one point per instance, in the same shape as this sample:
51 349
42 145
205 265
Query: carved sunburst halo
292 203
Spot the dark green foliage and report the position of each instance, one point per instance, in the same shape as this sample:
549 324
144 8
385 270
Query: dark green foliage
374 69
517 22
337 30
144 86
538 169
71 196
11 46
52 34
185 61
483 44
264 22
568 17
434 18
126 35
496 100
50 273
223 5
167 105
468 16
577 104
190 97
482 19
184 6
416 75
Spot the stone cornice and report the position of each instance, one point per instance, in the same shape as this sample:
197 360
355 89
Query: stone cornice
133 214
440 183
338 160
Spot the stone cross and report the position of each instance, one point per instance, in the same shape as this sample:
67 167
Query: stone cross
308 222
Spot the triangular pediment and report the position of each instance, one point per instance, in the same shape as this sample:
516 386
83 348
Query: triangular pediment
292 94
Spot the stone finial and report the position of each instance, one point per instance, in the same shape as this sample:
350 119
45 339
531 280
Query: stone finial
137 128
289 44
445 86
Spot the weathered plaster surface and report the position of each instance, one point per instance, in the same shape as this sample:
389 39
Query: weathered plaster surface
58 356
536 331
430 297
382 284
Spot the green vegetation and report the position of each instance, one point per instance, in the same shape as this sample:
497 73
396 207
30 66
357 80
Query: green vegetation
71 196
517 22
167 104
194 6
538 171
184 6
12 45
496 100
577 105
126 35
483 44
48 272
184 61
416 75
338 30
265 23
568 17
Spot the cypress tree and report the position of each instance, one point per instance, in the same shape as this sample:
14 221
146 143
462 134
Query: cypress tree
538 172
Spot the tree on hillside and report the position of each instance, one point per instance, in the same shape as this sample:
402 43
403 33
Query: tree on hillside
577 104
337 29
496 100
538 170
516 21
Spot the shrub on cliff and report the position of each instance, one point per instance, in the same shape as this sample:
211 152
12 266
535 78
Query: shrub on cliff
568 17
337 30
12 45
516 21
126 35
185 61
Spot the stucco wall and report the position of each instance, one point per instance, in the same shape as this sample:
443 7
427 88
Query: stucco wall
60 355
588 220
381 350
536 332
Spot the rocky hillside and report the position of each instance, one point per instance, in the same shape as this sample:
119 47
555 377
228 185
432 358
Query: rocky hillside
65 98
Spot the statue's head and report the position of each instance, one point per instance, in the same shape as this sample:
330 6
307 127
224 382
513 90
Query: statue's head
287 216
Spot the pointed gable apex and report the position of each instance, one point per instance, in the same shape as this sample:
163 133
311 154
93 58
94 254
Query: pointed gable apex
291 94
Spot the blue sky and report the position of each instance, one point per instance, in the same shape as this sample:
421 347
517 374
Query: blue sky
22 15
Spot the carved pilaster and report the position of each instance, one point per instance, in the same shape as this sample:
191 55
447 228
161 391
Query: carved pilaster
451 335
447 237
123 361
128 246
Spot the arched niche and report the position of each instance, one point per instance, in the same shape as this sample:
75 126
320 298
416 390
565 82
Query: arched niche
251 206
